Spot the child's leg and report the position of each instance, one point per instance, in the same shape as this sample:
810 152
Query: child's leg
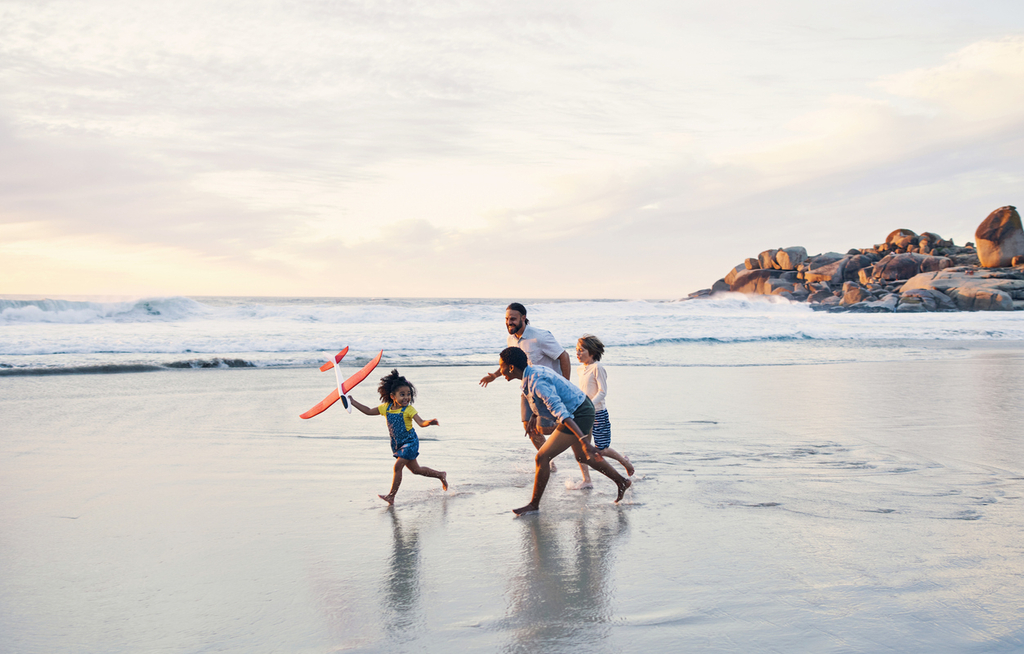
585 469
396 480
424 471
587 482
603 467
612 454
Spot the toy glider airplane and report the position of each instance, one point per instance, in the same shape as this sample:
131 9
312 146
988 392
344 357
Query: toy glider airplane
341 392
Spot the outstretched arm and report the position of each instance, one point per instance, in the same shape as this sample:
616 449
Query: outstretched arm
489 377
362 407
425 423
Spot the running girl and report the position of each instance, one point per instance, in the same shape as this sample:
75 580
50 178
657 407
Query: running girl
593 380
397 394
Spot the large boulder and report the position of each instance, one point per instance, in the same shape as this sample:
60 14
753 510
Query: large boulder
1000 238
752 282
790 258
731 276
854 264
767 259
978 298
826 269
901 239
854 295
994 291
865 275
897 234
931 240
905 266
930 300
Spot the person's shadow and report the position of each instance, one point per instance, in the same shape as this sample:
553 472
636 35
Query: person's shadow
562 591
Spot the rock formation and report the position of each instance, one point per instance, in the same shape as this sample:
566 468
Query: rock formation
1000 238
909 272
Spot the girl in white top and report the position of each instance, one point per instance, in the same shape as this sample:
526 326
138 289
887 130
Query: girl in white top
593 380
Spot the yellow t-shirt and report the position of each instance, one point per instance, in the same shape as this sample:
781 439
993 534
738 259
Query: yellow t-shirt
392 408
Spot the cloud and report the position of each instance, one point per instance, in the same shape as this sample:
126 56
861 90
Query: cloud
982 82
359 148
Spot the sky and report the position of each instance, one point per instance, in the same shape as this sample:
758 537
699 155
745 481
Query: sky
553 149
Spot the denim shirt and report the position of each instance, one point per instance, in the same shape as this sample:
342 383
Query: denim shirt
550 395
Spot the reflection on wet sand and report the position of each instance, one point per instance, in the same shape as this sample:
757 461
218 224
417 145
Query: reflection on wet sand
560 594
401 590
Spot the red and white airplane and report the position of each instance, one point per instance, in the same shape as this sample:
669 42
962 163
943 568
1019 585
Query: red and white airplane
341 392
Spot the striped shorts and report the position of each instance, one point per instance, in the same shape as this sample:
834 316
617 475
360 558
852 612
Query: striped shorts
602 430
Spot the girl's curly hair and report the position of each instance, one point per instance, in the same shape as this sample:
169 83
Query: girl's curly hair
391 383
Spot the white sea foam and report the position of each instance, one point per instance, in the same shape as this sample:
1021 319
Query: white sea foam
73 312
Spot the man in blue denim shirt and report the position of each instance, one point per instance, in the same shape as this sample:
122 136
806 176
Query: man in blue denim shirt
552 396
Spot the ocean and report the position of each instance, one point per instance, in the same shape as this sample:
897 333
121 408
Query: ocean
40 336
805 482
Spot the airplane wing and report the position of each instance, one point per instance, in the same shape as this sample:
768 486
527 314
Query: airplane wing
337 359
352 381
323 406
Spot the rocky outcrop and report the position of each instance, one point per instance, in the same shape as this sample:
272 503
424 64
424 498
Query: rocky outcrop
1000 238
909 272
974 289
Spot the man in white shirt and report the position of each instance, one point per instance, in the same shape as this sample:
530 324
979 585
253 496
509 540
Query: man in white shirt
542 350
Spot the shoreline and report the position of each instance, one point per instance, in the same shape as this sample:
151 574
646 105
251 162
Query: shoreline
918 351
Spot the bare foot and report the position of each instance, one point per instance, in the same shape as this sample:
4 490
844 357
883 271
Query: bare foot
626 483
390 499
629 466
529 508
582 484
444 480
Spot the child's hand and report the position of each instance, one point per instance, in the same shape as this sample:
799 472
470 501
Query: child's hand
432 421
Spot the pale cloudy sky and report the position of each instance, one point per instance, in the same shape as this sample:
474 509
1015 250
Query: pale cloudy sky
488 149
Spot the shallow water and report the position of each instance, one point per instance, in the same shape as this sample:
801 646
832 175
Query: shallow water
857 507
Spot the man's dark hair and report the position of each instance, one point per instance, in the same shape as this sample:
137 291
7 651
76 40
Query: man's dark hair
513 356
515 306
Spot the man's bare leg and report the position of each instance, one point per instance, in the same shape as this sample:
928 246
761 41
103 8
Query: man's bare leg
559 442
538 441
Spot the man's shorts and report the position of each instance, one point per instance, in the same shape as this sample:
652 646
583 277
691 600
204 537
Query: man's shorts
583 417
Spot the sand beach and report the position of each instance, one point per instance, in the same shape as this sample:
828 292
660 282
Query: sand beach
846 507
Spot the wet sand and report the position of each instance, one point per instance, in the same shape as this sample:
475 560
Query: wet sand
859 507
